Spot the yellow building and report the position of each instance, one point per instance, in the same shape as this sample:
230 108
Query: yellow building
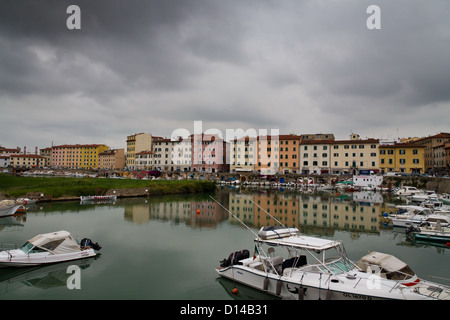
403 157
243 154
136 143
77 156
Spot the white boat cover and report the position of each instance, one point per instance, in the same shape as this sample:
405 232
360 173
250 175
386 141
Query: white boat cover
383 260
56 242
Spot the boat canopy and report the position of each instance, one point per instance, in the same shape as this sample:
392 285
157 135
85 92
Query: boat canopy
385 261
56 242
302 242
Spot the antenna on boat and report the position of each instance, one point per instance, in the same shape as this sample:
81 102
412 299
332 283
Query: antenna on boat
234 216
240 192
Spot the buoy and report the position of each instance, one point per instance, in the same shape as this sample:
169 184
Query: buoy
235 291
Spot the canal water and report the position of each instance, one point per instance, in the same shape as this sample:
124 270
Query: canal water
166 248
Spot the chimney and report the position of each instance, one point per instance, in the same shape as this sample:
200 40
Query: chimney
35 150
24 150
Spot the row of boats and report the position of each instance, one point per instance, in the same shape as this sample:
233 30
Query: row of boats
427 218
11 207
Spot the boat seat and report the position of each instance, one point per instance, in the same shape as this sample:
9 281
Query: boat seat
274 262
295 262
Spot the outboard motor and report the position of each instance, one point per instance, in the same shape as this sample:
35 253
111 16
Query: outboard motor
88 243
234 258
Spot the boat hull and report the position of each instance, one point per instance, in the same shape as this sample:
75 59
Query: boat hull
9 211
16 258
445 238
290 290
319 286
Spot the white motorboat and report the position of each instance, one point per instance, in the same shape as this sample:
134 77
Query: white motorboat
415 215
8 207
26 201
424 196
315 268
48 248
426 232
407 191
97 198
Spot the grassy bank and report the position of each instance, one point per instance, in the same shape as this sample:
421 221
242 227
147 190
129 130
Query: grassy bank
53 188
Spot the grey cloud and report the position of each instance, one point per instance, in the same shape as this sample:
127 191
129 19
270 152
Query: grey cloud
154 65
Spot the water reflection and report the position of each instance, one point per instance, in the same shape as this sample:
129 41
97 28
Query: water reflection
319 213
42 277
312 213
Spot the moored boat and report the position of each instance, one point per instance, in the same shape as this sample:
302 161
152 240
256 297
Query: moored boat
96 198
437 233
407 191
8 207
26 201
48 248
315 268
416 215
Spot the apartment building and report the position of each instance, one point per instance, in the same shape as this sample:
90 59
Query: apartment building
354 155
136 143
47 154
182 154
163 150
402 157
209 153
77 156
243 154
289 153
113 159
315 156
144 160
267 153
9 151
26 161
429 153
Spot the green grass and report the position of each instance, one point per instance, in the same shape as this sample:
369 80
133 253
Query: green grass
16 186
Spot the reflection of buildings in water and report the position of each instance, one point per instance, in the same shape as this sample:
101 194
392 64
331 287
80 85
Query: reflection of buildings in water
196 213
282 207
205 214
175 211
242 207
166 211
138 213
308 213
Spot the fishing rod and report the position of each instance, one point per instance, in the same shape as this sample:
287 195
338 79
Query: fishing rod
260 248
240 192
234 216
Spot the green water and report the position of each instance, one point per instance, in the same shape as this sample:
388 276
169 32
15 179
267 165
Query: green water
166 248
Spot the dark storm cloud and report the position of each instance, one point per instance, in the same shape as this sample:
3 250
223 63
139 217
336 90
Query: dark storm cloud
304 66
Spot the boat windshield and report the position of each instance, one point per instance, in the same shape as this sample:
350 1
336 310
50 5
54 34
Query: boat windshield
30 248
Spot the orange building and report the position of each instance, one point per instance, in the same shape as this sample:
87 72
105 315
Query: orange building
289 161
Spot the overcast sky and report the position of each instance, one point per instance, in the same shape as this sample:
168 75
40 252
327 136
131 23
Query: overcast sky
159 65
